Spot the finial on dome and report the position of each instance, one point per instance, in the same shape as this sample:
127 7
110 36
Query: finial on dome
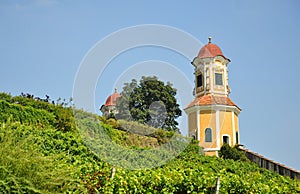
116 90
209 39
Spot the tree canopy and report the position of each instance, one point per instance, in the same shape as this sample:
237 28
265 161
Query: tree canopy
150 102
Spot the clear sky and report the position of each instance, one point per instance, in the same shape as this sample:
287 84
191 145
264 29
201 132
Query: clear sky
43 42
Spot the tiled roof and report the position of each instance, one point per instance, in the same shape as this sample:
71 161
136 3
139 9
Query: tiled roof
111 100
211 100
210 50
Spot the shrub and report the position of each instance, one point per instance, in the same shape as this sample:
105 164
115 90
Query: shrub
234 153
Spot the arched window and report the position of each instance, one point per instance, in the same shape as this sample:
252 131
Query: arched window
225 139
208 135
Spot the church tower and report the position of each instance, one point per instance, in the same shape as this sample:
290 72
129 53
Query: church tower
212 116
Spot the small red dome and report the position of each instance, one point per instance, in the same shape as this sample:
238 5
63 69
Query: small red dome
111 100
210 50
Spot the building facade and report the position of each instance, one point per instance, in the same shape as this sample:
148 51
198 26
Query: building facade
109 108
212 115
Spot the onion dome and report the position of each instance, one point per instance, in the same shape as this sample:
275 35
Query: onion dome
210 50
111 100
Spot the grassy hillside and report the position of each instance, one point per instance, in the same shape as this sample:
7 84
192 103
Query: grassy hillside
44 149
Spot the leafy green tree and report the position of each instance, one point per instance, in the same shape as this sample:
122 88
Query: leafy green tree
150 102
123 102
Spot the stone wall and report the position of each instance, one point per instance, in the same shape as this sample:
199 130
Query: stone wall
271 165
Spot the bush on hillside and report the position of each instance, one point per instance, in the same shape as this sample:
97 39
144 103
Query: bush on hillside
233 153
26 109
162 136
192 149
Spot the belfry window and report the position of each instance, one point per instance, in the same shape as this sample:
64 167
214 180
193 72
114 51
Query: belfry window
218 79
199 80
208 135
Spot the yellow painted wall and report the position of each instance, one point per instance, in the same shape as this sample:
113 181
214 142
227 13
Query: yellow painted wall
225 120
207 120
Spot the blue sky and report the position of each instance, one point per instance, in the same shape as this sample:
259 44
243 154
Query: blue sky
43 42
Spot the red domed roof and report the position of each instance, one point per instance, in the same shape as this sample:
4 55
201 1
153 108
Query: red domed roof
111 100
210 50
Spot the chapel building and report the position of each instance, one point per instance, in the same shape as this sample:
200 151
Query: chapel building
109 108
212 115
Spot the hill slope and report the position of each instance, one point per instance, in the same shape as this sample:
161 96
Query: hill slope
42 150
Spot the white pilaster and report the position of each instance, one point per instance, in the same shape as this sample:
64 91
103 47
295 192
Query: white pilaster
211 77
225 79
198 124
218 128
204 78
233 129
